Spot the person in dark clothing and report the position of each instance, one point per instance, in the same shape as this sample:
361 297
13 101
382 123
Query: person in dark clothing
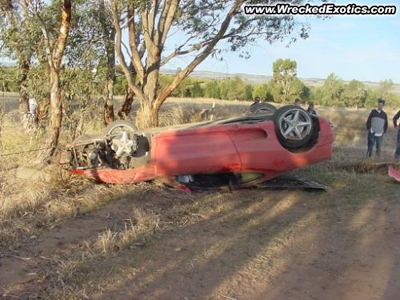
310 109
297 102
256 101
377 125
397 126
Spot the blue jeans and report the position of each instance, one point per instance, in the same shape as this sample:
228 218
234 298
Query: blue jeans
372 140
397 153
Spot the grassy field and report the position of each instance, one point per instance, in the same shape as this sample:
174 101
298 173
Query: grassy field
64 237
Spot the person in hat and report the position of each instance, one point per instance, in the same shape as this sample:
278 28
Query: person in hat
377 124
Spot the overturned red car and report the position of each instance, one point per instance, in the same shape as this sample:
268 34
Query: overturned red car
239 152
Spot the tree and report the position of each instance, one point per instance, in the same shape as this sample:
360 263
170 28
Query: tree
386 88
206 28
332 91
17 36
54 47
354 94
195 90
108 38
261 91
211 89
285 85
372 97
236 89
284 74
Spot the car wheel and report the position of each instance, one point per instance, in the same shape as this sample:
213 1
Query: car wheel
262 108
119 126
294 126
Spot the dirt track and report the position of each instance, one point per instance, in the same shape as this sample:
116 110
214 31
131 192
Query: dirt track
248 244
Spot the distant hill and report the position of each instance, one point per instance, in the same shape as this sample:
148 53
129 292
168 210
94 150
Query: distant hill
258 79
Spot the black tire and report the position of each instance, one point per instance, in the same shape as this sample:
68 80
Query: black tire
120 125
262 108
294 127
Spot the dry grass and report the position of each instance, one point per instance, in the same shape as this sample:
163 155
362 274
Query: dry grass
142 224
196 230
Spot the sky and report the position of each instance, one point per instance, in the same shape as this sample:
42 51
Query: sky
365 48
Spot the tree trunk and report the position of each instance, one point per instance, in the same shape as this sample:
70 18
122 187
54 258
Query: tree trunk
109 102
54 61
22 87
147 116
127 105
79 127
53 131
109 37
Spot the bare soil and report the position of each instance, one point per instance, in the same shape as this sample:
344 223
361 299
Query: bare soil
247 244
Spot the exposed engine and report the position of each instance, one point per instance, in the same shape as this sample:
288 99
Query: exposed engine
122 151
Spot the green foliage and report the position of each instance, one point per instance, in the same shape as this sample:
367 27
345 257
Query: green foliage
285 87
196 91
261 91
332 90
385 90
248 92
8 79
371 97
236 89
229 88
211 89
38 82
120 86
354 94
224 88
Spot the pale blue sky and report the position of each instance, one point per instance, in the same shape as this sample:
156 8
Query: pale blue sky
366 48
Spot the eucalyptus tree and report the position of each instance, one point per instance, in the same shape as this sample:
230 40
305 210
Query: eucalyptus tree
284 85
211 89
18 37
91 50
332 90
284 74
55 33
386 90
354 94
261 91
161 31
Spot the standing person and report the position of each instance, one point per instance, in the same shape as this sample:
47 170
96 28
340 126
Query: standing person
32 106
256 101
297 102
311 109
397 126
377 125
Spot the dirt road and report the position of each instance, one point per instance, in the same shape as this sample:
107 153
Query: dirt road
248 244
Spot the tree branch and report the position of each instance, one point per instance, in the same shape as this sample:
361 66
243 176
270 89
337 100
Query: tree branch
201 57
133 43
121 58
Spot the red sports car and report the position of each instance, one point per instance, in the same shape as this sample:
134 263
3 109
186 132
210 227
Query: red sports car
239 152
